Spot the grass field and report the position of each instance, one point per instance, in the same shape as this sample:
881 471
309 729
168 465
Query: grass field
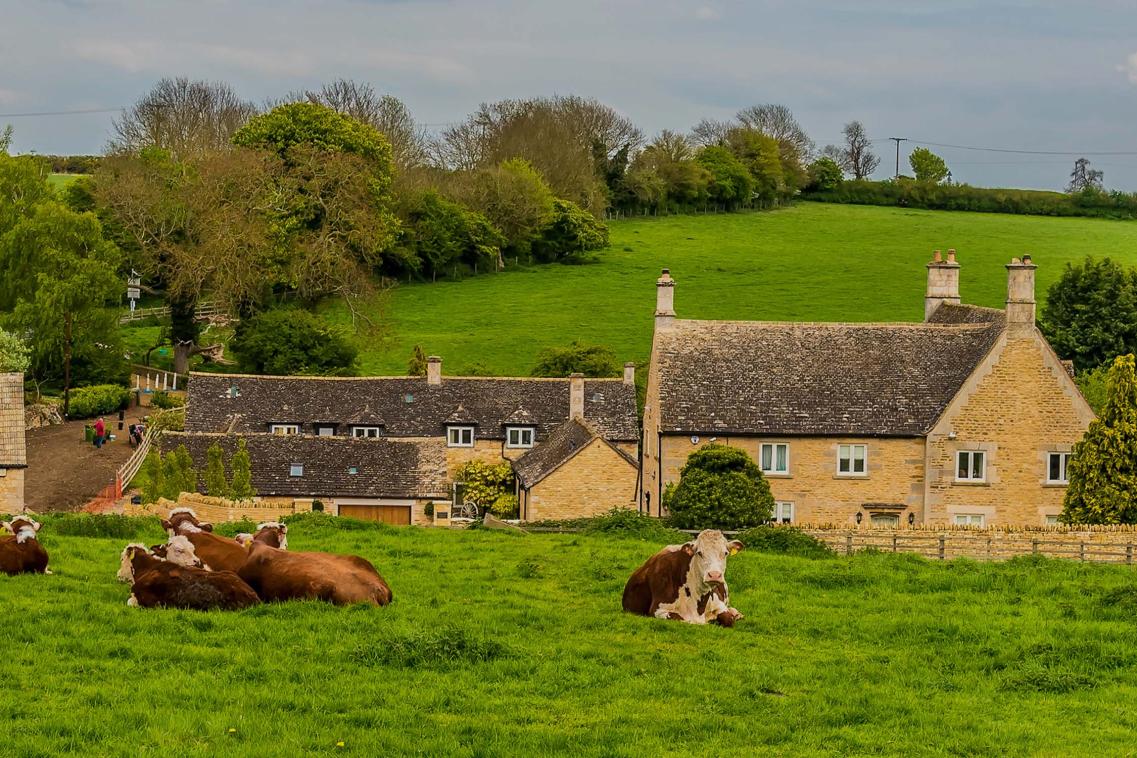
60 181
812 262
499 644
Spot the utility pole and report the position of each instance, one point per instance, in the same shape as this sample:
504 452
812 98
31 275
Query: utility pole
898 140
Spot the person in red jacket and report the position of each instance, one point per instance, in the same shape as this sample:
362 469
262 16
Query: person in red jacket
100 432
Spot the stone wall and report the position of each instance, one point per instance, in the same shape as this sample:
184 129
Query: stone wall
219 510
593 481
13 450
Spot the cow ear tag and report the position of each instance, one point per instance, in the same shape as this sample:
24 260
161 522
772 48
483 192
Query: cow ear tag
734 551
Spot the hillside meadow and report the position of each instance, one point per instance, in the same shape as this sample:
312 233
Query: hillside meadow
503 644
809 262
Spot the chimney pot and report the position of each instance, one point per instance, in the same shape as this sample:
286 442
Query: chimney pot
937 257
1027 258
433 370
943 283
951 255
630 373
576 395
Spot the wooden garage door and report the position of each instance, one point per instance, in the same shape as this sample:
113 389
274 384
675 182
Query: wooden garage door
400 515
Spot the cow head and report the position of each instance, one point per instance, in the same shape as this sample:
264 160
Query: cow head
24 527
184 521
244 539
273 534
709 552
126 565
180 550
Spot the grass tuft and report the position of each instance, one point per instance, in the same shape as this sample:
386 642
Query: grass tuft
438 648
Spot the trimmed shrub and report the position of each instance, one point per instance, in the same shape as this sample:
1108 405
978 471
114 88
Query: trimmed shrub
98 400
165 401
720 487
785 540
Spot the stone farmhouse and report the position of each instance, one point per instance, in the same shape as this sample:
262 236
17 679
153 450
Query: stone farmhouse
968 418
13 450
384 447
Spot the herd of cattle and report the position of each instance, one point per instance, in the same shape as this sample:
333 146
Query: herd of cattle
199 570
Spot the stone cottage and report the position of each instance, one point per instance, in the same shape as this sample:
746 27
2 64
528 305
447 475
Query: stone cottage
13 450
384 447
968 418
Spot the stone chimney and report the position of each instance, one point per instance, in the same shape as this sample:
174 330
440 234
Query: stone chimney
576 395
1020 295
664 300
433 370
630 374
943 283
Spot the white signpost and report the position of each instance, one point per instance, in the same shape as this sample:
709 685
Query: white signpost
133 289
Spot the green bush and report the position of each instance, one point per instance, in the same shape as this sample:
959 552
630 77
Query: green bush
289 341
786 540
590 360
623 522
486 483
317 521
570 231
101 525
720 487
98 400
233 528
165 401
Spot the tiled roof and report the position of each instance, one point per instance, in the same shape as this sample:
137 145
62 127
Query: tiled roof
818 379
562 444
385 468
409 406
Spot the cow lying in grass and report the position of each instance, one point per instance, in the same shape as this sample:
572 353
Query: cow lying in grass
685 582
216 552
21 553
276 574
179 581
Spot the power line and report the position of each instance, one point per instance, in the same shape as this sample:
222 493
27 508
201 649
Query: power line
61 113
1025 152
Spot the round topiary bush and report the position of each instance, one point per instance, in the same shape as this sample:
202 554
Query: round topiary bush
720 487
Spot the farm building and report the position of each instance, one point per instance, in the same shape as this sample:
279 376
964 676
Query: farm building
13 450
384 447
968 418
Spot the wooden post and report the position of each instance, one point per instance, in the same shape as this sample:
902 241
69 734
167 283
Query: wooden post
894 542
1129 552
1034 546
943 538
1082 551
848 544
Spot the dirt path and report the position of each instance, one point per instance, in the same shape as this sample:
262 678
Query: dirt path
65 472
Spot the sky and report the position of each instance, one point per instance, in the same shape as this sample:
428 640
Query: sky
1006 74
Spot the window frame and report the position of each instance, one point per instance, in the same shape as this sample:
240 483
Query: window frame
969 519
893 520
295 470
366 432
330 430
969 479
1063 467
460 430
851 473
521 432
780 508
774 458
282 430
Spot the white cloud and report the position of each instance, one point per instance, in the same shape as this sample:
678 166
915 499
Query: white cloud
707 13
1130 68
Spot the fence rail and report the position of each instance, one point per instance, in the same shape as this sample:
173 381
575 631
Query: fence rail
201 312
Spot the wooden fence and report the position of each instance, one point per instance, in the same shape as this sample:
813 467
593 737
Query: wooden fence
150 379
202 312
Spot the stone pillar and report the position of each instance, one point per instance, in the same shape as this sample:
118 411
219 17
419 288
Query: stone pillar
13 450
630 374
664 300
1020 296
433 370
943 283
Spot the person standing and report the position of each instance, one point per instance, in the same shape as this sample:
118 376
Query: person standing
100 432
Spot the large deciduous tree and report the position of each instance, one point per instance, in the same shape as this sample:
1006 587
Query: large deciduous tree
855 156
1103 469
1084 178
1090 316
927 166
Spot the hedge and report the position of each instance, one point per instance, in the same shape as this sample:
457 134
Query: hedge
98 400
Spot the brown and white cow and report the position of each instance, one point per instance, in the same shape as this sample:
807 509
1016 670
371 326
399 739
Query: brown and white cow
165 583
178 550
216 552
21 553
276 574
686 582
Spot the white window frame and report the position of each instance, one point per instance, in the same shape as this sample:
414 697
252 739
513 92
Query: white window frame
522 433
893 520
284 430
959 454
325 430
296 470
366 432
456 436
1063 467
783 512
969 519
773 447
852 446
1051 519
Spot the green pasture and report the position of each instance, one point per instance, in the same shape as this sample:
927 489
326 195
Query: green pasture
503 644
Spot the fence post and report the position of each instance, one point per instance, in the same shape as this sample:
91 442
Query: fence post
1082 551
1034 546
894 542
942 539
848 544
1129 552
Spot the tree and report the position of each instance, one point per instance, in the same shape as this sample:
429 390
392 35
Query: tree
1103 468
154 478
571 231
489 486
927 166
215 483
778 122
856 156
824 175
1084 178
60 273
514 197
416 366
669 162
590 360
182 117
761 155
1090 314
731 184
23 186
438 233
241 486
720 487
287 341
178 473
15 357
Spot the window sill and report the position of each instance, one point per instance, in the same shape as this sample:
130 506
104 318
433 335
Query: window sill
850 476
1056 485
970 483
776 475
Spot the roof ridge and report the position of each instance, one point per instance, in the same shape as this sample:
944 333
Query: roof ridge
845 324
422 379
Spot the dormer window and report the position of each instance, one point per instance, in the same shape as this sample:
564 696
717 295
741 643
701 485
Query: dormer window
296 469
325 430
459 436
367 432
519 436
284 429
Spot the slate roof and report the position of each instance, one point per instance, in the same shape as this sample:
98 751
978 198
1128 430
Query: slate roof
562 444
385 468
818 379
408 406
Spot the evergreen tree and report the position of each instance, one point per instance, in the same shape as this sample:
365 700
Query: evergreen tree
215 483
417 364
155 482
241 487
1103 469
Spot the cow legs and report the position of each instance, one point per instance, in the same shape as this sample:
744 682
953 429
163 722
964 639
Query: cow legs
133 601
